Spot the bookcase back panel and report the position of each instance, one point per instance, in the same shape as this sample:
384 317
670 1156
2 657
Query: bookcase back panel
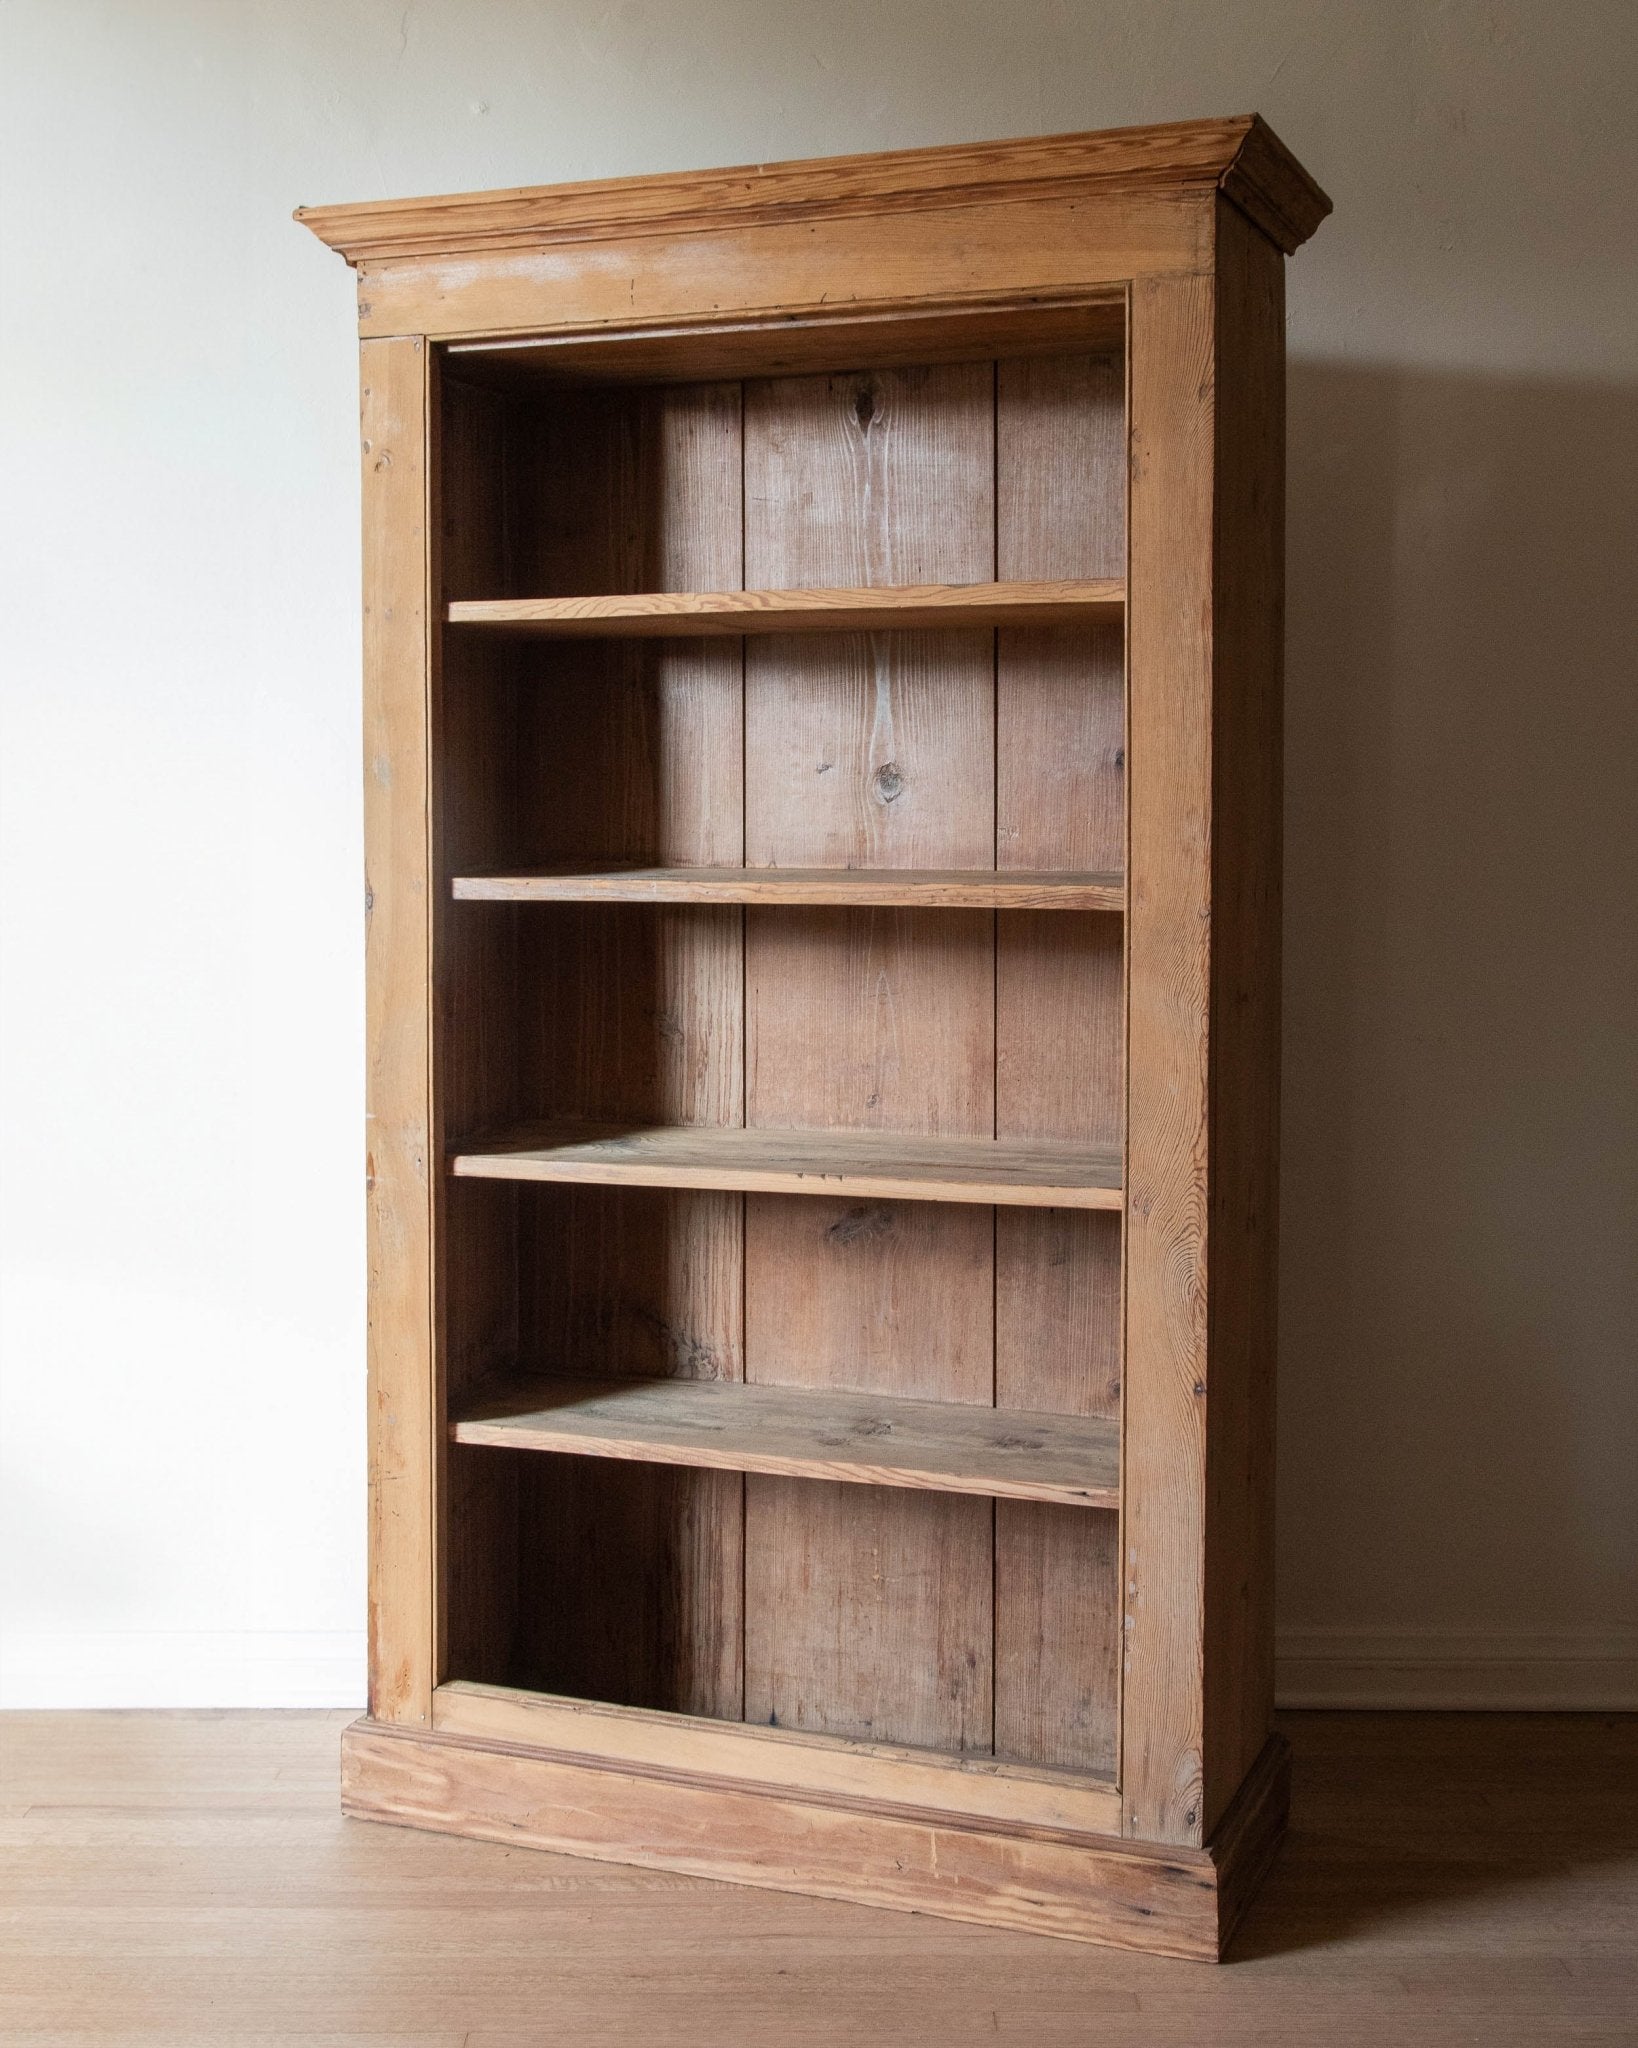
948 1622
877 1019
870 1618
629 1583
868 1613
619 1283
1060 739
1057 1636
621 489
1057 1311
1059 1011
871 751
632 1012
878 1297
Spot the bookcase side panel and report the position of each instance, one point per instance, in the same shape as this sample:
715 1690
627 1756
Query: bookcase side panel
1248 649
396 414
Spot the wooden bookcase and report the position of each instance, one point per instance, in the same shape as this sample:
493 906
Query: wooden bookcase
822 657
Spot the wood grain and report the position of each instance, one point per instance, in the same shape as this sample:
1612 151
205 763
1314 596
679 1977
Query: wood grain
852 1171
633 747
788 1760
1169 991
1085 1888
631 1583
868 1613
1243 149
871 1615
629 752
403 1433
729 613
869 1022
1057 1635
1007 255
878 1165
1060 767
1060 711
908 888
870 1295
863 1439
187 1878
797 347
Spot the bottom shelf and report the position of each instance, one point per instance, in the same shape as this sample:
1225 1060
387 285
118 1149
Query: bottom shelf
868 1439
798 1761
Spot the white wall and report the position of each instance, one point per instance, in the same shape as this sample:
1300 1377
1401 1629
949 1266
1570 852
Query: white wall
182 1419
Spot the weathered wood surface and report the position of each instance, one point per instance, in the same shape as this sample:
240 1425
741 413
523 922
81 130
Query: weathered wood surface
910 608
872 1440
880 1165
906 888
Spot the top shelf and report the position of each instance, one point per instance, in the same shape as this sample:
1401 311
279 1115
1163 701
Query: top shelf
903 607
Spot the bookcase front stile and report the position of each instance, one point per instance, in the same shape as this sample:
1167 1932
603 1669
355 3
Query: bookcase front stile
823 1076
401 1166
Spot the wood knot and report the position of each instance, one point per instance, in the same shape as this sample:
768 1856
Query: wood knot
888 783
864 406
863 1225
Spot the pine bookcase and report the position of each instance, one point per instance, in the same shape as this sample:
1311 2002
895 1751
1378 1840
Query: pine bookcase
822 755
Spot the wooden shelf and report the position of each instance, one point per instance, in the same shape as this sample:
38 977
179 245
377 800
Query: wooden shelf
804 1433
918 607
887 1165
925 888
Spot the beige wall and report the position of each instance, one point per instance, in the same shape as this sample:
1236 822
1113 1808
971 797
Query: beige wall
182 1402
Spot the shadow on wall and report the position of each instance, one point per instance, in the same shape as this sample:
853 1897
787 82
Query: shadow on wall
1459 1403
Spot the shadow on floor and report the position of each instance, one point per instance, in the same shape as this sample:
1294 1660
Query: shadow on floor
1401 1821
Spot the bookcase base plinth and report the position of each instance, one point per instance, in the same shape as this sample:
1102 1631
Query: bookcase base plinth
1080 1887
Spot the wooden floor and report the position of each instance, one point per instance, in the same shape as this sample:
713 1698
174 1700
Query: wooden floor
184 1879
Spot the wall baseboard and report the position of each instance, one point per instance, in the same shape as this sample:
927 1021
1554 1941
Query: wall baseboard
1585 1671
183 1668
1591 1670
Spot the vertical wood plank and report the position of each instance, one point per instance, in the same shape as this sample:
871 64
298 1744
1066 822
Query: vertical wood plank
871 1020
1060 714
1169 613
631 1577
1248 627
1060 747
870 749
1057 1635
870 1616
631 1584
631 1283
868 1613
1059 1070
395 392
637 750
870 1296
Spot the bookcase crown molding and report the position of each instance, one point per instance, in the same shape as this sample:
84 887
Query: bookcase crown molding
1241 156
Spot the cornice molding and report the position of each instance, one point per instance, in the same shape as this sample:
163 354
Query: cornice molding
1243 157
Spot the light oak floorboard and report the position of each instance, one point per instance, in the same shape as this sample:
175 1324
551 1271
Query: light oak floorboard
180 1879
